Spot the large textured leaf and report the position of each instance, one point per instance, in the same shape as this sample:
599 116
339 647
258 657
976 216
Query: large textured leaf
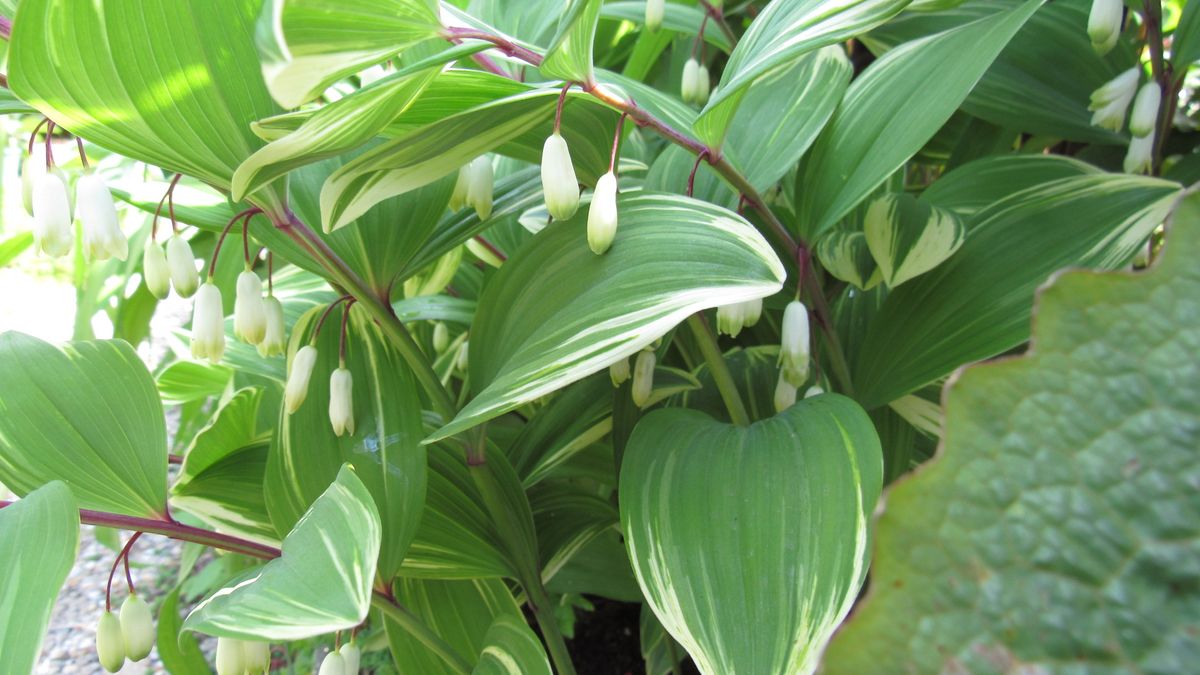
881 123
321 583
460 612
781 33
39 537
87 414
385 449
175 84
975 304
342 125
306 45
1059 527
570 54
556 312
750 543
1019 92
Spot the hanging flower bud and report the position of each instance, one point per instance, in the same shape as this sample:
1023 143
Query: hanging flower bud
274 340
256 657
730 319
110 644
1104 24
137 627
690 81
619 372
602 215
441 337
249 312
751 312
183 266
102 236
341 401
33 167
560 188
231 659
458 198
643 377
208 324
484 253
793 350
297 382
52 215
351 654
1144 117
785 394
155 270
1111 101
703 84
460 359
654 14
333 664
480 182
812 391
1140 157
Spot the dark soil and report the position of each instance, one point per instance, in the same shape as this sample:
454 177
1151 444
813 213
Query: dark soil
606 640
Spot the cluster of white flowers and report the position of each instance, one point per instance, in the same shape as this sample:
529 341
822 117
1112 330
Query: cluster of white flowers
242 657
731 319
130 637
343 661
793 356
341 389
696 83
48 199
474 187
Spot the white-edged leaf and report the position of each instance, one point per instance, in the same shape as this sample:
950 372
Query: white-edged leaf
39 537
781 33
570 54
512 648
556 312
307 45
321 583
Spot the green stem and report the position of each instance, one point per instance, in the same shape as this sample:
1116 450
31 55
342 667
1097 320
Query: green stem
543 611
417 628
719 369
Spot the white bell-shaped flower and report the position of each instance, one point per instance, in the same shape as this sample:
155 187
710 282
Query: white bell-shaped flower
333 664
52 215
643 377
1104 24
619 372
298 376
231 657
785 394
458 198
1111 101
341 401
812 391
654 14
441 337
480 184
256 657
102 236
155 270
751 312
137 627
689 81
793 348
110 643
352 655
182 264
560 188
1144 118
33 167
1140 157
462 358
274 340
249 312
208 324
731 318
703 85
602 214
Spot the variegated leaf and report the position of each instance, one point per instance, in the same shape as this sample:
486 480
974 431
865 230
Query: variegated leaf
556 312
570 55
783 32
751 543
908 237
321 583
306 45
512 648
846 256
680 18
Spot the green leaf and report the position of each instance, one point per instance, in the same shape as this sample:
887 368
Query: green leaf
86 414
570 54
1058 528
683 19
342 125
307 45
14 246
512 648
460 612
781 33
385 449
556 312
975 305
880 123
100 71
39 537
1019 92
660 651
320 584
797 490
185 381
977 185
908 237
1185 49
11 105
179 651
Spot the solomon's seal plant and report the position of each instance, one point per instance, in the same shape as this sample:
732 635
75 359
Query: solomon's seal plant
495 324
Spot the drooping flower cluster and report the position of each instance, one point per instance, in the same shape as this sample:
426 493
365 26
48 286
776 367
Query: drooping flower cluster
731 319
1110 104
793 355
474 187
342 661
242 657
341 380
